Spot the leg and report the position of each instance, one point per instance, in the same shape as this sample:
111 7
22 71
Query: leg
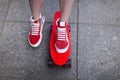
65 8
37 22
36 8
62 40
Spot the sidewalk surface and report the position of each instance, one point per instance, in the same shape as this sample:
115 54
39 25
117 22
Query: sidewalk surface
95 37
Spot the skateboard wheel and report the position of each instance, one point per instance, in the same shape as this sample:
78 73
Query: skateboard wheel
51 64
51 28
68 64
69 28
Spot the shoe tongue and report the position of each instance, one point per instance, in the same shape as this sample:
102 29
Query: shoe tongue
36 21
61 24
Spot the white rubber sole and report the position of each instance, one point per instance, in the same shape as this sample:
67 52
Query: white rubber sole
39 41
61 50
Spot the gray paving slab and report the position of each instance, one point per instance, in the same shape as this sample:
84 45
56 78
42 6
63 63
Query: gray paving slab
4 6
99 12
41 71
53 5
18 59
14 54
110 74
1 25
19 11
98 52
11 78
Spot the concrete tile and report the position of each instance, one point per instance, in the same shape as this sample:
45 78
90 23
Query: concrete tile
110 74
1 25
99 12
50 9
11 78
14 54
41 71
98 50
19 10
4 8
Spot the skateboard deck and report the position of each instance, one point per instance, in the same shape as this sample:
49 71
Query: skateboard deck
58 59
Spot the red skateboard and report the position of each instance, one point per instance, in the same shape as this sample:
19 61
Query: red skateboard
59 59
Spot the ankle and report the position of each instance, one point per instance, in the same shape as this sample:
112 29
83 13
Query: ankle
36 17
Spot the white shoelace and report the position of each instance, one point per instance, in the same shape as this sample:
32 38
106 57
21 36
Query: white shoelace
35 28
61 34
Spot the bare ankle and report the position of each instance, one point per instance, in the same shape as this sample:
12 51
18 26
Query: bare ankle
37 17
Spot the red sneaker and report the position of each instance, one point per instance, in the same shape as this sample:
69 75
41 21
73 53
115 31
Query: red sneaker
62 42
35 34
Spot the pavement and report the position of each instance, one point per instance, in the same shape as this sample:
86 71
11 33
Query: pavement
95 38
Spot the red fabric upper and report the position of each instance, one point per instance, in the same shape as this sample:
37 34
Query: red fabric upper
61 44
34 38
